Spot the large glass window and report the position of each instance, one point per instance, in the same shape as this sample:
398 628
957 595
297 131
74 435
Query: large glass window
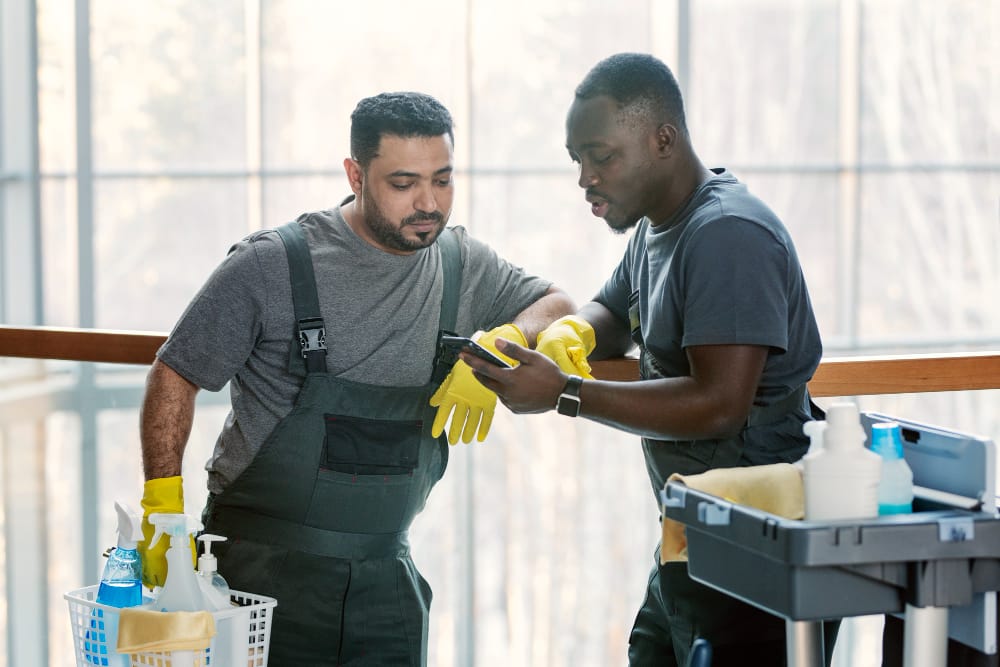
140 140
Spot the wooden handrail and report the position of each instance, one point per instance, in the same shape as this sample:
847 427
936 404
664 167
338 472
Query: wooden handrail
104 345
871 375
838 376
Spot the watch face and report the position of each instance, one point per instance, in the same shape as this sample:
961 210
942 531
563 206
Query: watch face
568 405
569 400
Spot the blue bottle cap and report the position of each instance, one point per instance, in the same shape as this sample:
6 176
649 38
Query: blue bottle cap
886 440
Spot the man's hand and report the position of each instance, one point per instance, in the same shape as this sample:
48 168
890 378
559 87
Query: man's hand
568 341
165 495
532 387
465 399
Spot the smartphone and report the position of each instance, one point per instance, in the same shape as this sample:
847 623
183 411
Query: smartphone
464 344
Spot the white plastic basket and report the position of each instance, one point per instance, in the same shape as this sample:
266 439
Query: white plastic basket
241 640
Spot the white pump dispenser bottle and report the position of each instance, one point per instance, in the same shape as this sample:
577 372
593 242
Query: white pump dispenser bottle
213 585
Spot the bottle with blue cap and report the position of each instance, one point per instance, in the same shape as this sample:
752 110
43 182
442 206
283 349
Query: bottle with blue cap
895 488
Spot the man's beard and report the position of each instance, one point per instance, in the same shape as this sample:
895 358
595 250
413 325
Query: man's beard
386 234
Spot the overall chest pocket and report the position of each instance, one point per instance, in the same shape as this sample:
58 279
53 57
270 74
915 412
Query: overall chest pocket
367 473
360 446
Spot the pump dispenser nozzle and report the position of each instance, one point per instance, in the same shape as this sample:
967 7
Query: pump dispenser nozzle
207 561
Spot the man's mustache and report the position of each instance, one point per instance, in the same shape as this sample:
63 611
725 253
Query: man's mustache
423 217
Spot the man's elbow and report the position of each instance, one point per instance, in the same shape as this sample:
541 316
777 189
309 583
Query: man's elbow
726 421
558 302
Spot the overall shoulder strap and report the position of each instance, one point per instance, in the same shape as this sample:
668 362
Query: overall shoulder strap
451 266
311 331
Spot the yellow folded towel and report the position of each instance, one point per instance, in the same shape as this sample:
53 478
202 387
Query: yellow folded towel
774 488
144 630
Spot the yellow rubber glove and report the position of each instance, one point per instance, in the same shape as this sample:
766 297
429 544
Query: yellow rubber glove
569 341
461 393
166 495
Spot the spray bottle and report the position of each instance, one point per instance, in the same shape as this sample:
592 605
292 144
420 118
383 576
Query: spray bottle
121 586
213 585
840 477
181 591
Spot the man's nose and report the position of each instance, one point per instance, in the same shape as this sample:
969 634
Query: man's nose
426 202
588 178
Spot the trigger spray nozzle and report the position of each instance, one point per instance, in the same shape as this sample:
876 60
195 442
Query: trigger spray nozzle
172 525
129 525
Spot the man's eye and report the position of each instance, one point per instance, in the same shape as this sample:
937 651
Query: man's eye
444 182
401 186
602 159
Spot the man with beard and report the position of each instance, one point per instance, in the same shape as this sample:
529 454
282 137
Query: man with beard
711 291
326 330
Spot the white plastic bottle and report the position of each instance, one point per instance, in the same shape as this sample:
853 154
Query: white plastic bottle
895 488
213 585
841 477
180 591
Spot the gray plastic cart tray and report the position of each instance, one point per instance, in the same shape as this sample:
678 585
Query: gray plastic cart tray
821 570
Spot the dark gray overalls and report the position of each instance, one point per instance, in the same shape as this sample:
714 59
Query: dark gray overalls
319 519
677 609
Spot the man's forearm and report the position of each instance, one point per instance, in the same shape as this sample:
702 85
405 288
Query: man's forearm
165 421
554 304
612 335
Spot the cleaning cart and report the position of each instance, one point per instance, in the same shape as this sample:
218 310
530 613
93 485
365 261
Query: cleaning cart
939 566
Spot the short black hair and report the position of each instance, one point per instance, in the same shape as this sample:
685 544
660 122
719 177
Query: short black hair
402 114
639 83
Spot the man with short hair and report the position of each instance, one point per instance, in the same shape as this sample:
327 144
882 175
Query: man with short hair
326 330
711 291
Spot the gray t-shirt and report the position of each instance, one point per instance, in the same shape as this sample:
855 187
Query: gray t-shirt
381 314
723 270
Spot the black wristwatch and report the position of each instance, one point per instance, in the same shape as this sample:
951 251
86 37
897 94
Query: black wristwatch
569 400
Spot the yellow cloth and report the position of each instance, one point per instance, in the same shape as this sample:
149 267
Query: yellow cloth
774 488
144 630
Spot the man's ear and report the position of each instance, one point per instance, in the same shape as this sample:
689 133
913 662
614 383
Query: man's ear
355 175
666 139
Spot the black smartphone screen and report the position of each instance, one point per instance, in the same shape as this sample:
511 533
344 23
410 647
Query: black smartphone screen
462 343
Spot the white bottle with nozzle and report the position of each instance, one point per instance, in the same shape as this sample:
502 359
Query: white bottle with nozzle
213 585
180 591
840 477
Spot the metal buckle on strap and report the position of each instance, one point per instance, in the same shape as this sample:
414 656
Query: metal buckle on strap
312 335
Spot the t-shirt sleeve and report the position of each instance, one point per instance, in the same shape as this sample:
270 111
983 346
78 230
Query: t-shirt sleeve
218 330
496 289
735 286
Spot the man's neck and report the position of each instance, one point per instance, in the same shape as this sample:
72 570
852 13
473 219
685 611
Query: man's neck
688 177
